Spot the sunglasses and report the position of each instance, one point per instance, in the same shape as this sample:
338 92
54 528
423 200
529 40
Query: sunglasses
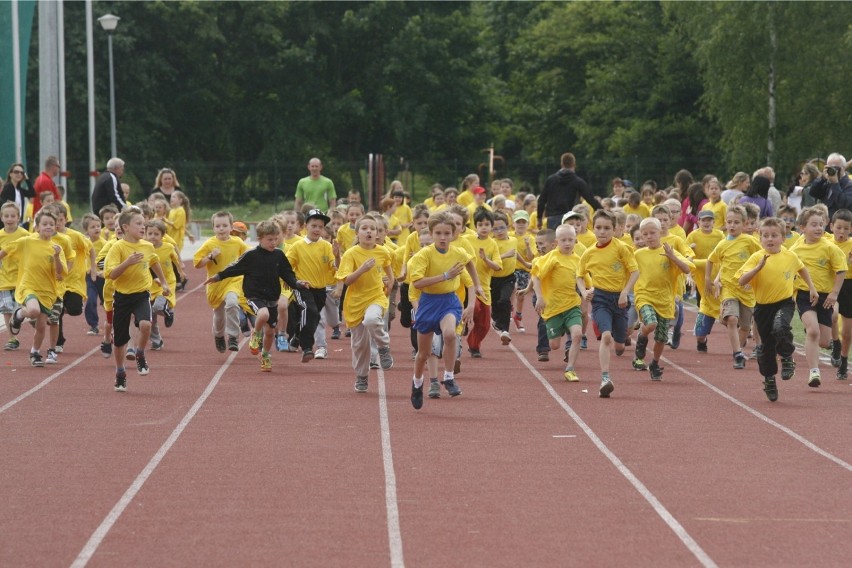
21 172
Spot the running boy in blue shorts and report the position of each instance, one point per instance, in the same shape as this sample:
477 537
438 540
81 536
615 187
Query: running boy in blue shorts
435 271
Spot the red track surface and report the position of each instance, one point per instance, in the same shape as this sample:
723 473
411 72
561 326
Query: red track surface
288 468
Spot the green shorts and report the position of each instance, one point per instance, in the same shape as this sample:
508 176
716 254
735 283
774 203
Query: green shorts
560 324
649 316
45 310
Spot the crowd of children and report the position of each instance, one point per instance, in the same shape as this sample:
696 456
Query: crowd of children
452 268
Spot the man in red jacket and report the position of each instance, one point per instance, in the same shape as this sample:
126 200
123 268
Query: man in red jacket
44 182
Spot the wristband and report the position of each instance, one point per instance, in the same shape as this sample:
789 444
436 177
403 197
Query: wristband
446 275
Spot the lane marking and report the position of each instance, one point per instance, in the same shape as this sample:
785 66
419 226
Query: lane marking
394 532
109 521
564 436
757 414
746 520
49 380
646 493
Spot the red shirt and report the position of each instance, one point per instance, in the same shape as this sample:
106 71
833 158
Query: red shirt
43 183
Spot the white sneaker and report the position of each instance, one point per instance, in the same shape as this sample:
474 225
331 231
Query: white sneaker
505 338
321 353
51 359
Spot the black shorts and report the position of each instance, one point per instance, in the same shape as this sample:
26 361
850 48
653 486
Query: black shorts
803 304
844 300
125 306
257 304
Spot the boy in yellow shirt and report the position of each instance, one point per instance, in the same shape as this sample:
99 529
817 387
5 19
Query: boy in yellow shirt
91 225
614 272
660 267
841 227
487 261
715 204
365 269
9 269
524 263
770 272
219 251
503 280
155 231
128 264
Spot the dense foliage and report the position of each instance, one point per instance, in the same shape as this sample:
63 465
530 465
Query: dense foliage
238 95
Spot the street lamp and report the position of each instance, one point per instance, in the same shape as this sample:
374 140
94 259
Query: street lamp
109 23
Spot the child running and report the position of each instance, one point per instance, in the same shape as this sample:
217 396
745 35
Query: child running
262 269
435 270
770 273
11 232
841 227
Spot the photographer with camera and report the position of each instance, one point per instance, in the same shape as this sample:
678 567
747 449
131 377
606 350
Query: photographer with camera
833 187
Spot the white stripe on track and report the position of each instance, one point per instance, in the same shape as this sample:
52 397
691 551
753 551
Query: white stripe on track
48 380
805 442
106 525
658 507
394 533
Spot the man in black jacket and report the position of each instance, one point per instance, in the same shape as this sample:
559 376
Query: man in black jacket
834 188
561 192
108 187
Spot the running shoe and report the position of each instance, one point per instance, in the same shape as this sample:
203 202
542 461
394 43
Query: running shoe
254 342
12 345
281 343
451 386
739 361
385 358
505 338
571 376
120 381
233 344
52 358
641 347
265 363
788 368
416 396
35 359
434 388
15 323
141 364
157 345
639 364
814 378
656 371
606 387
835 353
168 316
220 344
361 384
106 350
131 354
321 353
770 388
335 333
307 355
701 347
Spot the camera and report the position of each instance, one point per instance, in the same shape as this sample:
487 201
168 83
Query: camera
831 170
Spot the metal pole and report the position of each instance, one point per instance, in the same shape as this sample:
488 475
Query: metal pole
90 68
111 99
16 82
63 146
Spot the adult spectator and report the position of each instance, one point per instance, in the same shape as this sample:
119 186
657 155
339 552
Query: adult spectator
108 187
682 180
15 191
810 173
618 188
561 192
774 195
736 187
166 183
833 187
44 182
316 188
758 193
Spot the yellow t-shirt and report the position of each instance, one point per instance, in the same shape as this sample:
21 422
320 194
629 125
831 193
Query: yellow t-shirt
627 239
709 305
642 210
137 277
526 249
702 244
509 263
677 230
720 211
471 209
558 275
98 245
109 287
587 239
429 261
312 261
492 252
177 228
9 266
229 251
791 239
730 254
398 260
290 241
658 281
75 281
369 288
774 282
404 216
610 266
70 253
465 198
36 269
823 260
167 254
346 237
846 247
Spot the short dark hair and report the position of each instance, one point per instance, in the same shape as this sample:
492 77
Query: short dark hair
568 160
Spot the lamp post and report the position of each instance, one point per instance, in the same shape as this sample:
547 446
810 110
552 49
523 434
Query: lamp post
109 23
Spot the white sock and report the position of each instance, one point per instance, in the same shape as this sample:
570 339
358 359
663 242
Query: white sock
815 369
448 375
418 382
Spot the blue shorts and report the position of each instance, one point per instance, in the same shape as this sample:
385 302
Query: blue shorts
608 316
703 325
431 310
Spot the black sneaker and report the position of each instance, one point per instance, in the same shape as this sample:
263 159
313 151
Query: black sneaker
452 388
656 371
416 396
220 344
641 346
475 353
835 353
543 357
141 364
770 388
788 368
157 345
106 350
756 353
739 361
233 344
168 316
120 381
335 333
701 347
35 359
675 343
606 387
15 323
842 369
307 355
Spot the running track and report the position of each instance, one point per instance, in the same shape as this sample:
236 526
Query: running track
208 462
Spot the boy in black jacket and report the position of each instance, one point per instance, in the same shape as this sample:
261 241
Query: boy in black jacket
262 269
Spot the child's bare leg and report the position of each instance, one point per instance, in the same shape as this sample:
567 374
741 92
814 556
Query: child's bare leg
38 336
268 338
283 306
576 332
143 333
845 337
424 349
604 353
734 333
812 338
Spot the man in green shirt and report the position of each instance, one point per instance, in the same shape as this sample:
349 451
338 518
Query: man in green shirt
316 188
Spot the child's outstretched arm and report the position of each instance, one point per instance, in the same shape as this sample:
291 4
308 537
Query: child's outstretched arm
158 270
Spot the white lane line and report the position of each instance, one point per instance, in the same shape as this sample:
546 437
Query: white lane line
394 533
807 443
658 507
100 533
48 380
564 436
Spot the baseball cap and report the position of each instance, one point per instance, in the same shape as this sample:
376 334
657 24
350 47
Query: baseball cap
571 215
317 214
706 215
239 227
521 216
478 189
